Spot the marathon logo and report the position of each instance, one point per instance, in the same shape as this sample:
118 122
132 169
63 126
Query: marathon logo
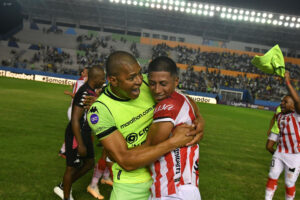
137 117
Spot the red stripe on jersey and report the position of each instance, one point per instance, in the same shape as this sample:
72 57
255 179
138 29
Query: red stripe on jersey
183 156
192 154
296 130
157 180
284 141
289 136
170 174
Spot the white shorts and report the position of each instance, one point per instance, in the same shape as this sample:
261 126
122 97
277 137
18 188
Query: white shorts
185 192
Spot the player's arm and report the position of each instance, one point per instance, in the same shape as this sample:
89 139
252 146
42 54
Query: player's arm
199 123
271 124
292 92
66 92
77 113
272 140
130 159
159 132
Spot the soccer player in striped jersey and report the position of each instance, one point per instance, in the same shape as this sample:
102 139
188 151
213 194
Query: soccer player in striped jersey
175 174
287 155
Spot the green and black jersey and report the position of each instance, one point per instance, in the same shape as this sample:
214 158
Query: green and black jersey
131 117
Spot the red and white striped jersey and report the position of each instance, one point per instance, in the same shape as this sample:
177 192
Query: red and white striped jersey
178 167
289 138
80 82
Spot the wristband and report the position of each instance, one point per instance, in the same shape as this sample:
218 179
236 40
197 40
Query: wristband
288 83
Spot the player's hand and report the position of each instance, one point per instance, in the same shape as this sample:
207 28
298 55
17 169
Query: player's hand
82 150
197 133
88 101
180 135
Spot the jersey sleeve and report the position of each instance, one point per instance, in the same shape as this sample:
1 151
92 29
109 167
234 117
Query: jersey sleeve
165 111
274 137
79 97
101 120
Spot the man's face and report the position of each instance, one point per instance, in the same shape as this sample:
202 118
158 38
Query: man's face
126 84
100 80
287 105
85 72
162 84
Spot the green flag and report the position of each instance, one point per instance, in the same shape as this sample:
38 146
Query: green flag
272 62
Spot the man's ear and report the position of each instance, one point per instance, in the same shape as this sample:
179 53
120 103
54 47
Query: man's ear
113 80
176 81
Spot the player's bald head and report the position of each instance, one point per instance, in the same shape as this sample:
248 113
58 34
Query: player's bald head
117 60
95 71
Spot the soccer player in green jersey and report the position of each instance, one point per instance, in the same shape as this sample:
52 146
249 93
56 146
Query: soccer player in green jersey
121 118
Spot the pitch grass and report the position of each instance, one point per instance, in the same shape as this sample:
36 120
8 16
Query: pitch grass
233 161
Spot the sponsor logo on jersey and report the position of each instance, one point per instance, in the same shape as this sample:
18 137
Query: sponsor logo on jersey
137 117
131 138
164 107
94 110
94 118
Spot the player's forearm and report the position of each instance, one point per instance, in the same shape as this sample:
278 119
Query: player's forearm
294 95
76 132
144 155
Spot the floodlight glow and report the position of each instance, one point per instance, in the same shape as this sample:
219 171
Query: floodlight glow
170 8
224 9
264 14
111 1
182 3
247 12
195 5
241 12
259 14
235 11
152 5
286 23
251 19
228 16
270 15
176 8
212 7
194 11
176 3
181 9
257 20
263 21
234 17
117 1
164 7
211 13
158 6
280 23
229 10
298 20
269 21
292 25
298 26
205 13
275 22
287 18
206 6
166 1
129 2
199 12
188 10
294 19
147 4
189 4
170 2
240 17
252 13
246 18
281 17
200 6
158 1
218 8
135 3
223 15
123 1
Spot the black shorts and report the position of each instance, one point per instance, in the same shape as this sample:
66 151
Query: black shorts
72 157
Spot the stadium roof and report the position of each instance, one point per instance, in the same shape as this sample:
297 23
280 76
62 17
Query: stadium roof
107 14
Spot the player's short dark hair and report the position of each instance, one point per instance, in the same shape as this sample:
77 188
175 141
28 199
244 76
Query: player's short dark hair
94 71
163 63
114 60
